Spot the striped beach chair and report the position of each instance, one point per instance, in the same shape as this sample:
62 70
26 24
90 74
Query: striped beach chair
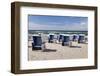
51 38
75 37
66 40
81 38
37 43
60 37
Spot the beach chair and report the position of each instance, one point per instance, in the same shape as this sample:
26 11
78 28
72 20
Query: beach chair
86 39
81 39
51 38
37 43
75 37
66 40
60 38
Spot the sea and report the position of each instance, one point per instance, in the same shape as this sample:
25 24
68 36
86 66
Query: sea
57 32
44 33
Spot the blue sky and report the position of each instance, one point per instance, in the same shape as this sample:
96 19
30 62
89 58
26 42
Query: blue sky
39 22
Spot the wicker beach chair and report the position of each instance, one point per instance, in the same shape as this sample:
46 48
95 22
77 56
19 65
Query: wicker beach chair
37 43
75 37
81 39
60 38
51 38
66 40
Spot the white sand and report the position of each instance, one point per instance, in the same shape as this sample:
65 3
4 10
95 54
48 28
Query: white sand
62 52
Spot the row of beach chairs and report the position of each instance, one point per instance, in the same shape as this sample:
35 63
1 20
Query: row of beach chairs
81 38
64 39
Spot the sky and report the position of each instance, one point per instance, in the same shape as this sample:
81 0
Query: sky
40 22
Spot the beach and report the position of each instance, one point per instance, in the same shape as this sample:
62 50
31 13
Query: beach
54 36
76 51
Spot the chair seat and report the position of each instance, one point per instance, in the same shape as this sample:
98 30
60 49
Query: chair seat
37 46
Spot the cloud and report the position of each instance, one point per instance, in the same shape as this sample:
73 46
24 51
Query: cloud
54 26
83 23
82 26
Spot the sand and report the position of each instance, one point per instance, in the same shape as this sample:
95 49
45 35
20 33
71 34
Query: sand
77 51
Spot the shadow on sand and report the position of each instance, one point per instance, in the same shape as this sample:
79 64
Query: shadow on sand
49 50
75 46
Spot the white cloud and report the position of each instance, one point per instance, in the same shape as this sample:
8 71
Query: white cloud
74 26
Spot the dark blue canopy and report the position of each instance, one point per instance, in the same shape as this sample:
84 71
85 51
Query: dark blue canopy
37 40
81 39
60 38
37 43
51 38
66 39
